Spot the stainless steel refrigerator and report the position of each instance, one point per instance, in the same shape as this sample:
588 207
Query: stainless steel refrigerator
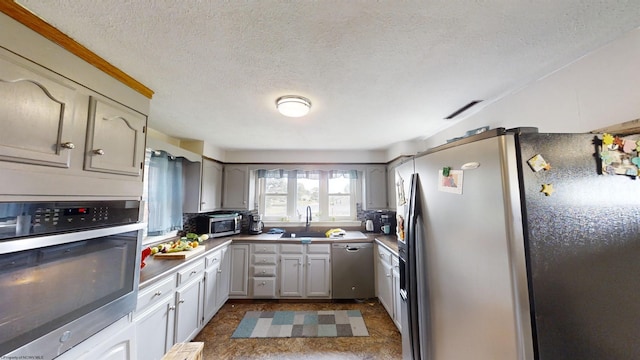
515 245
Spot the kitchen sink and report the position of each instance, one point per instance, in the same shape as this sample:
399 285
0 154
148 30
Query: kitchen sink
304 234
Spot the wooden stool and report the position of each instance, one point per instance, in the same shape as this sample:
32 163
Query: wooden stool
185 351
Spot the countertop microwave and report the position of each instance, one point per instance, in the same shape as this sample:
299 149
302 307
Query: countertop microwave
219 225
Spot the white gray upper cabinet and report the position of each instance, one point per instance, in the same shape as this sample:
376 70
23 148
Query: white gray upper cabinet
236 186
375 183
36 113
211 195
115 139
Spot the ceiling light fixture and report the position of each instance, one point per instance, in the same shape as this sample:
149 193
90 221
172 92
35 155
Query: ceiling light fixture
293 105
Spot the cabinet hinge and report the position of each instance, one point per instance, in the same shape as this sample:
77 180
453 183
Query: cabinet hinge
144 129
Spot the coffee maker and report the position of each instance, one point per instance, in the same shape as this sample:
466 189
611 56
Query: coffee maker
384 220
255 224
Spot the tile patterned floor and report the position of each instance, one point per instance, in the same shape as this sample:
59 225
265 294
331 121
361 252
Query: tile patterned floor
384 342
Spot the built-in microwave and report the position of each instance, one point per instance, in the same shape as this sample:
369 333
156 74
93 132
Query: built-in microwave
218 225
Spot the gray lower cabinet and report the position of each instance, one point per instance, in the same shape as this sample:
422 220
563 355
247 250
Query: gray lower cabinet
384 279
216 282
395 277
263 270
239 286
318 275
305 270
115 342
154 329
154 319
176 307
189 300
291 275
388 282
117 347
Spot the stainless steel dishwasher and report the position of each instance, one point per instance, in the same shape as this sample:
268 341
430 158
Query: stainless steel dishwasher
352 272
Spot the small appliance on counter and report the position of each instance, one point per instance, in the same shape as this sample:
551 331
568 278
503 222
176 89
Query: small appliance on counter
255 224
219 224
384 221
369 225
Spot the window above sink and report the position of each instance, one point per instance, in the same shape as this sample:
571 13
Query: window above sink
285 194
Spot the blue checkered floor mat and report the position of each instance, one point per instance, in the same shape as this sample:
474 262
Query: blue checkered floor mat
329 323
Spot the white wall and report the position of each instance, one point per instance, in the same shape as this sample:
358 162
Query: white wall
597 90
305 156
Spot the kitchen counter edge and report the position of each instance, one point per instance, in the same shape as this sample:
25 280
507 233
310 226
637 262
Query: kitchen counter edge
156 268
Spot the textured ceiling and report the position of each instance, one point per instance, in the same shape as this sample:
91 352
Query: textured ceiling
377 72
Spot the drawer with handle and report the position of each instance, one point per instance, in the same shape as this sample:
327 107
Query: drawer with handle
259 259
264 248
155 293
384 255
264 271
214 258
264 287
190 272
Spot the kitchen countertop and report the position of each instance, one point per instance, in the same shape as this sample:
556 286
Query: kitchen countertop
388 241
156 268
349 236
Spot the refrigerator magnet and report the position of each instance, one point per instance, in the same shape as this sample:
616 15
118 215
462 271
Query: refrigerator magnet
451 183
620 156
400 190
538 163
547 189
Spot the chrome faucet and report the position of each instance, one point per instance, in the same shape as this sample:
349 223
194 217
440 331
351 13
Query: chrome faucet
308 219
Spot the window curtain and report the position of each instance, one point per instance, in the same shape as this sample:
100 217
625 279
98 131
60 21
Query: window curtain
305 174
165 193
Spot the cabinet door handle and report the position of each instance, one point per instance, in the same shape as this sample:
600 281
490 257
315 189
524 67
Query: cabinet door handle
193 272
180 301
171 308
219 271
263 271
98 152
68 145
158 293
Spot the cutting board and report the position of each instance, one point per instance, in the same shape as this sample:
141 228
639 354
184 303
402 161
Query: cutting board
180 254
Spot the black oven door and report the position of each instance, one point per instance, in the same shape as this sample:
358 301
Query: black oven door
58 290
